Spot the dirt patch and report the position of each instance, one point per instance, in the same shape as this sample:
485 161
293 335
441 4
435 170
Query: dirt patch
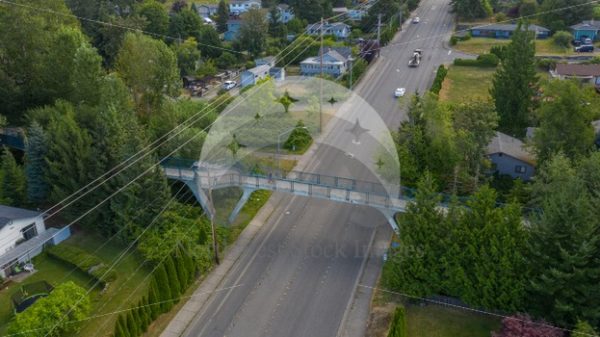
382 311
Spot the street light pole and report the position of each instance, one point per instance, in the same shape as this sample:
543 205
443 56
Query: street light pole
350 60
212 219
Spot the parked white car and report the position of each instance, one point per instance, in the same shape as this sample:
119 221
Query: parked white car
399 92
416 19
228 85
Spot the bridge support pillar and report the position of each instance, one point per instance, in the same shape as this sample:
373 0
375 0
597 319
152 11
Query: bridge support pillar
390 216
243 199
201 196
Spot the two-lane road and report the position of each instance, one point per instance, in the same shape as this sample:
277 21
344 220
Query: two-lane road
299 274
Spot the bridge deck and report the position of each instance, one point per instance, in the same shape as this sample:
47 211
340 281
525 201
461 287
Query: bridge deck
337 189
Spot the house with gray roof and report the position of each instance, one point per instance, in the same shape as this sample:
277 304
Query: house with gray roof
253 75
509 156
206 10
335 62
505 31
585 73
586 30
237 7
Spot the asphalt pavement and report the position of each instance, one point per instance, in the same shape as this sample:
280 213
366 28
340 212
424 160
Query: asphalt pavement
299 275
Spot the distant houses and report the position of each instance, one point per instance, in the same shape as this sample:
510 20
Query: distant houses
286 13
237 7
206 10
233 29
338 29
505 31
335 62
352 14
586 30
509 156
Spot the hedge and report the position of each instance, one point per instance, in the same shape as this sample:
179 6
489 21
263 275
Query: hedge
483 61
439 79
84 261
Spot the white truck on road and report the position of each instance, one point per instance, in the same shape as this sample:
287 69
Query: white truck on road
415 59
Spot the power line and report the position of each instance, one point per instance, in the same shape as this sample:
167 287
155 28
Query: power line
471 309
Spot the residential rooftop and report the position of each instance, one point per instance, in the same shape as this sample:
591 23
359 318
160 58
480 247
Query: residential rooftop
572 69
8 214
511 27
511 146
587 24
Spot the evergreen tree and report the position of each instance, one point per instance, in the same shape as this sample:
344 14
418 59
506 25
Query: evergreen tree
515 83
68 158
119 330
472 9
174 282
138 320
189 264
35 164
164 288
222 16
415 267
132 325
277 28
253 32
564 247
154 298
182 272
13 180
398 328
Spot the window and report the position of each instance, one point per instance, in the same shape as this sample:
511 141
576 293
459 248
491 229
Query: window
29 232
520 169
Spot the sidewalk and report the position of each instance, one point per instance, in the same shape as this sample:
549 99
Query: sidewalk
211 283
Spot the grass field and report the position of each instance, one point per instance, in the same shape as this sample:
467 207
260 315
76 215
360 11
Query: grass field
129 286
49 270
480 45
467 83
438 321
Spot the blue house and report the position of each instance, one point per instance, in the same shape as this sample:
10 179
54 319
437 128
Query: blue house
586 29
253 75
233 29
509 156
505 31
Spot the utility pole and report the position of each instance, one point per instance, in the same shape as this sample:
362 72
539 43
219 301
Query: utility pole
350 60
321 51
212 218
379 28
400 19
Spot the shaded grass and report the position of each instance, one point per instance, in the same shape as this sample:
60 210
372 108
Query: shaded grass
48 269
439 321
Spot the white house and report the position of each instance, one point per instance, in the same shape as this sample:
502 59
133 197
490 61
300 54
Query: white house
335 62
337 29
587 73
237 7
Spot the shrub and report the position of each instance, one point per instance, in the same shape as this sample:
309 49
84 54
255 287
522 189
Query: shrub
488 60
483 61
546 64
562 38
439 79
398 327
501 17
453 40
499 50
86 262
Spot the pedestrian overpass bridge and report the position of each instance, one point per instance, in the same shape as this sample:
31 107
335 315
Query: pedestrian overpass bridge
338 189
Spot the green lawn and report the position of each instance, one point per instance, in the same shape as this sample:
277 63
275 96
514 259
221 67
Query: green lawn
466 83
49 270
480 45
438 321
129 286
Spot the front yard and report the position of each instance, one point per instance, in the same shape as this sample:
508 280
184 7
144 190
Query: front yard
128 287
545 47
